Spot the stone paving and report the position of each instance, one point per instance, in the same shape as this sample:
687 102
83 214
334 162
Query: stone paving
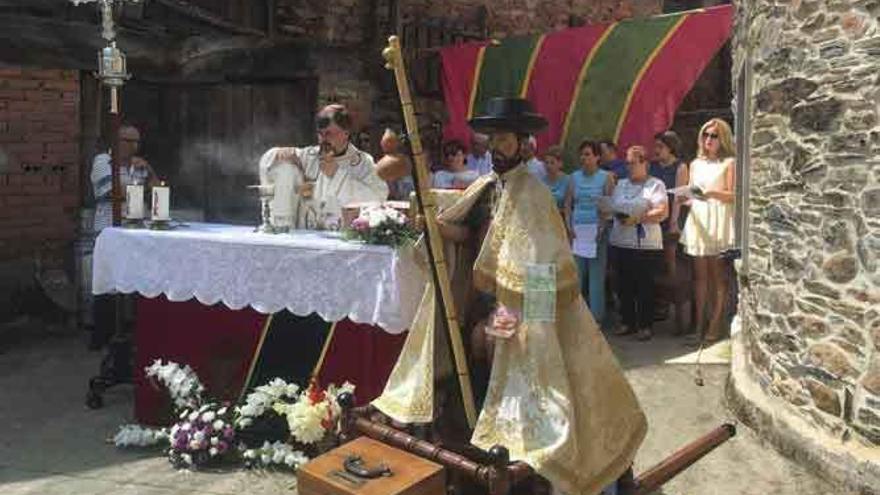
52 445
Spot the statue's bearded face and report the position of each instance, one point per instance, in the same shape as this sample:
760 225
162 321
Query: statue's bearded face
507 151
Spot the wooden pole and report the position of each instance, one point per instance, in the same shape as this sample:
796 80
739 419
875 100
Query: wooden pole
668 468
428 209
115 123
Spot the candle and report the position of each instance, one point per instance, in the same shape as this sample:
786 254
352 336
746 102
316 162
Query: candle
134 202
161 203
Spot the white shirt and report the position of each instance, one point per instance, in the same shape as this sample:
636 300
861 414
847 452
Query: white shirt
537 169
482 165
636 200
444 179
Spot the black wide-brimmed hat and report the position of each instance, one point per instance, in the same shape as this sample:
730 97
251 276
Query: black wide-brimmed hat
509 115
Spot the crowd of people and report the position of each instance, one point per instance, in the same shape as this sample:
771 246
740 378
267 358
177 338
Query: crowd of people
635 223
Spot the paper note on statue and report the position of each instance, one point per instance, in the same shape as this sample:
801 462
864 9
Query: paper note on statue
584 243
539 299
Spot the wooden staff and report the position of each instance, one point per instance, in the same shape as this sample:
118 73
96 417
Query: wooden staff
428 209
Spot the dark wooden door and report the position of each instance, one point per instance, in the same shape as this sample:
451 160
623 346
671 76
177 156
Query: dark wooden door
207 139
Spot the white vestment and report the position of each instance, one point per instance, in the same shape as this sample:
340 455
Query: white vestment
355 181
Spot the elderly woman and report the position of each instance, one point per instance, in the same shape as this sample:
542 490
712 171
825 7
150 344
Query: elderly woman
708 231
455 175
639 204
588 226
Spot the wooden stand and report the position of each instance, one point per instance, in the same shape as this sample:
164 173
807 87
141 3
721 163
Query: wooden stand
494 472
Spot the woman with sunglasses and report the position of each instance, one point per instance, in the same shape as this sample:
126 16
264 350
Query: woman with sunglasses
455 174
708 231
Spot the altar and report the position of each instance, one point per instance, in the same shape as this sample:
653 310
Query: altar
242 307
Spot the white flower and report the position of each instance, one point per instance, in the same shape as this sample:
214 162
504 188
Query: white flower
265 458
186 427
304 420
193 416
213 451
209 416
187 458
250 454
138 436
214 441
218 424
221 411
194 445
198 436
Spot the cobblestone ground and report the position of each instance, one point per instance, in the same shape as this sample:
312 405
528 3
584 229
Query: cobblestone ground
52 445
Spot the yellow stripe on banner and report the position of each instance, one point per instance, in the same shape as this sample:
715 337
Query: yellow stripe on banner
250 373
580 80
475 84
632 90
531 67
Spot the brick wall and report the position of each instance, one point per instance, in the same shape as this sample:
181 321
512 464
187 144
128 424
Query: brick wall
39 177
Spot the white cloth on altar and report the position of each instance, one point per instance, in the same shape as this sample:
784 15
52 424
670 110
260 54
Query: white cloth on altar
355 181
304 272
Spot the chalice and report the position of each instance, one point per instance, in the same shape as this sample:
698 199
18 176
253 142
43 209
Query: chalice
266 192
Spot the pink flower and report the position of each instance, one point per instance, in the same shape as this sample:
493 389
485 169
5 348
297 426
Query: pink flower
360 224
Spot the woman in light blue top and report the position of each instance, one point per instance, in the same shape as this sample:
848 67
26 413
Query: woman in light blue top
586 186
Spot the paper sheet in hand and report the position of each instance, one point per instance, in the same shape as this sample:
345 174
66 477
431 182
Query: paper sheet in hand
685 192
584 243
539 300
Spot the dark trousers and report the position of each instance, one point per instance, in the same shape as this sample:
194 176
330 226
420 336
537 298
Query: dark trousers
636 270
104 317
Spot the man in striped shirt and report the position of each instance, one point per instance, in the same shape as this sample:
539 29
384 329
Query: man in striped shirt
133 170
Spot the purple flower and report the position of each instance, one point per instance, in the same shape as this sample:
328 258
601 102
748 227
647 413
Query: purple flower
222 446
228 433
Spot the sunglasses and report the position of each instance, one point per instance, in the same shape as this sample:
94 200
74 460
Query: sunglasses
710 135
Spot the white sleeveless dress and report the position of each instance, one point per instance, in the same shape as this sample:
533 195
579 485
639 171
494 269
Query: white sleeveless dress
709 227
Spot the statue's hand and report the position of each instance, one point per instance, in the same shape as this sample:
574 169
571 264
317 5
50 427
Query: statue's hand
505 322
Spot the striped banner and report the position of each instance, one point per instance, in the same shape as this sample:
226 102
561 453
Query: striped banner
621 81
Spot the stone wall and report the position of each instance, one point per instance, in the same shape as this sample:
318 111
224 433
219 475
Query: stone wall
812 304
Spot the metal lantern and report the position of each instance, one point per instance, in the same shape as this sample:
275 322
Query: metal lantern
112 67
112 72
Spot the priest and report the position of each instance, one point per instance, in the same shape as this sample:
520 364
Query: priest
312 184
556 396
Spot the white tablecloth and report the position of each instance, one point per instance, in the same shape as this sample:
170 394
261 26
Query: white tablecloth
304 272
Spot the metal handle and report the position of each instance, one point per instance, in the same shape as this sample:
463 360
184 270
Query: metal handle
355 465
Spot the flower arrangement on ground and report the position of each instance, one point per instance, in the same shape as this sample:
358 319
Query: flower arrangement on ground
381 225
202 437
272 428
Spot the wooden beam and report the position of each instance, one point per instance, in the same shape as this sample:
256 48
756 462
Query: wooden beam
197 13
51 42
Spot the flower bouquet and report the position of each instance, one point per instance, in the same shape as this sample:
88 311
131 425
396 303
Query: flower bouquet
314 417
383 225
202 437
271 428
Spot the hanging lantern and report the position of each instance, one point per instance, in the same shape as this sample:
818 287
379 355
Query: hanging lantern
112 67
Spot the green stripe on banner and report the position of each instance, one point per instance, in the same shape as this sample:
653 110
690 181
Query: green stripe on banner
610 78
503 70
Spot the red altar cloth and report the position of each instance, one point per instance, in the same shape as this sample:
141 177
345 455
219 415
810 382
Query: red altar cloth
219 344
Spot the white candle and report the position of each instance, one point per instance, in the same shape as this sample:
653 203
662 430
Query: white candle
134 202
161 203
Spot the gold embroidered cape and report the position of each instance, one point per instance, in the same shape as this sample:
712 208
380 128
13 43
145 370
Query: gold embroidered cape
557 398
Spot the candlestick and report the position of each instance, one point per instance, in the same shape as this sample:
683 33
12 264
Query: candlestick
161 203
